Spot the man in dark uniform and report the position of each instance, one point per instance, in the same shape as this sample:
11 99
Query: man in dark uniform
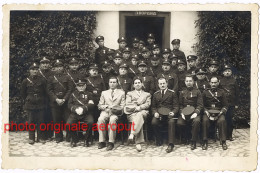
156 67
202 83
80 104
122 44
170 77
59 89
33 92
110 56
107 72
214 99
101 51
176 51
118 59
181 74
150 41
127 56
173 59
166 53
191 59
141 45
213 69
156 50
146 55
148 80
190 96
124 81
135 43
73 72
230 86
133 67
45 72
164 98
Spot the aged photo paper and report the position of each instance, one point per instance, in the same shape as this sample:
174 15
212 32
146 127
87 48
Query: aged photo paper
34 32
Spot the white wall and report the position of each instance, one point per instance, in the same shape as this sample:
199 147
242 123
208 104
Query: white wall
183 28
108 26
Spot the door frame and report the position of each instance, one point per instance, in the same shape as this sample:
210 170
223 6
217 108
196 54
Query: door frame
166 27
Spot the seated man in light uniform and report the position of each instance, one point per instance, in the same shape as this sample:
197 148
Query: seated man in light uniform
137 105
109 98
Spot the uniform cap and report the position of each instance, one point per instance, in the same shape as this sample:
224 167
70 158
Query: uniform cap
127 49
45 60
173 56
150 35
141 42
142 63
191 57
213 62
166 62
121 39
181 62
106 64
201 71
155 46
155 58
93 66
124 65
58 63
34 66
135 56
166 50
145 49
110 51
81 82
176 41
136 40
226 67
118 55
98 38
74 61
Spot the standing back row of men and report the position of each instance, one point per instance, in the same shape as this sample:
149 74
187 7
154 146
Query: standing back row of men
135 80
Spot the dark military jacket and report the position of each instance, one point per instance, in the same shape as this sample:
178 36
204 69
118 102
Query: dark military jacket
45 74
192 71
124 82
101 55
191 97
181 80
148 81
172 79
180 54
115 68
120 50
74 76
215 99
33 92
155 70
229 85
96 85
135 51
59 86
133 70
202 85
80 99
169 100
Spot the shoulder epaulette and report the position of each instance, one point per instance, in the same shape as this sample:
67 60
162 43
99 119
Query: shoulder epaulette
171 90
157 91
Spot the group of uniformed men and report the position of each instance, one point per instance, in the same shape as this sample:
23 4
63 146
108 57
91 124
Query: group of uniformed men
144 83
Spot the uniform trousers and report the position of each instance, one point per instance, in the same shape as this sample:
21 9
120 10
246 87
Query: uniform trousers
103 119
86 119
138 119
59 116
158 124
36 117
185 124
221 124
229 120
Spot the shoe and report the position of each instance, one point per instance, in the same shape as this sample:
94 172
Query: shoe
110 146
101 145
59 140
73 144
159 143
42 141
193 145
169 148
86 144
130 139
224 145
231 138
138 147
31 141
205 145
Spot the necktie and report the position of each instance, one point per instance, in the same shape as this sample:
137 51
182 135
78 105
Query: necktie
112 93
162 93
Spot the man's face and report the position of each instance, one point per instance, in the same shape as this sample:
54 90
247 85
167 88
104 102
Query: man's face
150 40
189 82
81 87
201 76
118 61
59 69
126 55
174 62
74 66
156 51
214 83
176 46
44 66
122 71
33 72
138 84
101 43
213 68
142 69
227 72
155 63
110 57
162 84
107 69
134 61
166 67
181 67
122 44
136 45
93 72
192 63
113 83
141 46
146 54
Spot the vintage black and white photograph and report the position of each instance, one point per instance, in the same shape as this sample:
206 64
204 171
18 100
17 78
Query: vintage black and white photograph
138 83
